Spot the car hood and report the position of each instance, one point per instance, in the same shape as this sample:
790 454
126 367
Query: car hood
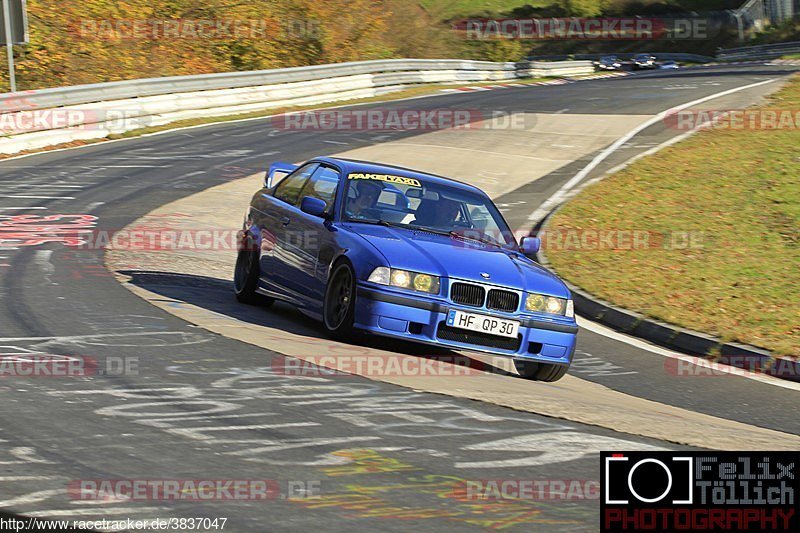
445 256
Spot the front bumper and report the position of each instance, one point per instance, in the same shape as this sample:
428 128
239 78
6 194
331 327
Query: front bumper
421 319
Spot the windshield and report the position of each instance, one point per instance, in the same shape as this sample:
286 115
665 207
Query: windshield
416 204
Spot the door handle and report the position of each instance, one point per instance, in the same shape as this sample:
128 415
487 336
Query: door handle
285 221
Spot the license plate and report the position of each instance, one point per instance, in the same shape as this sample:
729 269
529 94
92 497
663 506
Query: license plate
482 323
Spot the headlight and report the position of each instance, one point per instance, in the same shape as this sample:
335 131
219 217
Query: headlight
549 304
401 278
405 279
380 275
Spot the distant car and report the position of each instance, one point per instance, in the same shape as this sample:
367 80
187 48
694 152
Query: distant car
644 61
668 65
609 63
399 253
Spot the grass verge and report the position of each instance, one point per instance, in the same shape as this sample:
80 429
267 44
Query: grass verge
737 191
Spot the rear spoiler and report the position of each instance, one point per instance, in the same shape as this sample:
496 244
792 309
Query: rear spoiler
278 167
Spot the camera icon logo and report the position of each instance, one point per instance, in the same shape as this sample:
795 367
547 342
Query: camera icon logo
648 480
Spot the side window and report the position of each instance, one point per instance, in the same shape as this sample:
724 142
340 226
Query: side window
323 185
289 189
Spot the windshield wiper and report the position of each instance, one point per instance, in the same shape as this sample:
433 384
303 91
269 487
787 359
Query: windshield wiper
451 233
388 224
399 225
476 238
368 221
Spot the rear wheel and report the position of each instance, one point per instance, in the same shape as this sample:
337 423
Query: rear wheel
540 371
339 310
246 275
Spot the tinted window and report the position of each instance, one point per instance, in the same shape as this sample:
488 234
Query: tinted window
289 189
323 185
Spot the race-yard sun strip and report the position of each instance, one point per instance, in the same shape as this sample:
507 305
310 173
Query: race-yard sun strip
400 180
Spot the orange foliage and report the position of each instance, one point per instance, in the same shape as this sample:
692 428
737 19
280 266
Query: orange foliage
90 41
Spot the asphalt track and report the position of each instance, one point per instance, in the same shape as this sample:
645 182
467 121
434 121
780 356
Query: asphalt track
200 406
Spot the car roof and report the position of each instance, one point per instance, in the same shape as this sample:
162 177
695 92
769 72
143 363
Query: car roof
350 166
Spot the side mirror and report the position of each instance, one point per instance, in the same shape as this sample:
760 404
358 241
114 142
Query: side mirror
278 171
313 206
530 245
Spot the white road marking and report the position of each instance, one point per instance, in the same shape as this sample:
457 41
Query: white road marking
105 511
19 208
554 447
92 339
644 345
25 454
42 258
596 366
559 196
46 185
199 433
25 478
654 150
32 497
38 197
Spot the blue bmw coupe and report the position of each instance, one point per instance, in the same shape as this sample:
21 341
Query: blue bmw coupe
366 247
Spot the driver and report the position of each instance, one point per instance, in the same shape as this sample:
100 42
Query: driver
446 213
367 194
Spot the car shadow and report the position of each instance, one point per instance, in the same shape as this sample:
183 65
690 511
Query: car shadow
216 295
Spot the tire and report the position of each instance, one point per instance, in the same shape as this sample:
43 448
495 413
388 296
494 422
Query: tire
540 371
246 275
339 307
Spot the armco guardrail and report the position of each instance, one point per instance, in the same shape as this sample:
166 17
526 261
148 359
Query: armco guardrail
35 119
764 51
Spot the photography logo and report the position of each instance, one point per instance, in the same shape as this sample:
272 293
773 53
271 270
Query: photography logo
699 491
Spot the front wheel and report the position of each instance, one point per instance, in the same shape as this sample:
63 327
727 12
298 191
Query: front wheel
540 371
245 276
339 310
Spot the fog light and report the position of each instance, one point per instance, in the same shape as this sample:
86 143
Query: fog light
423 282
